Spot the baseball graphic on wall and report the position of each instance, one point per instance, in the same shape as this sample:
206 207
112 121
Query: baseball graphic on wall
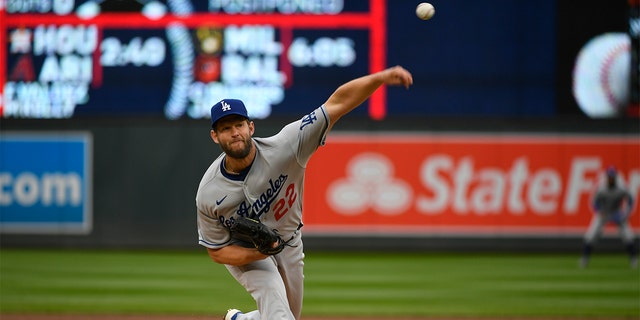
601 75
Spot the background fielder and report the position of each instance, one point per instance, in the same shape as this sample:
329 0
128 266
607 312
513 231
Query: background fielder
263 178
612 203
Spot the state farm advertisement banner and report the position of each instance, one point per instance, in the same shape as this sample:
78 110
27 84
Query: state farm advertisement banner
463 184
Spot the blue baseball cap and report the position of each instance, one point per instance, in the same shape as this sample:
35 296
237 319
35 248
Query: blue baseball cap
227 107
611 171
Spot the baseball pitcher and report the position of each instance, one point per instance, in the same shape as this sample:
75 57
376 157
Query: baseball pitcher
249 201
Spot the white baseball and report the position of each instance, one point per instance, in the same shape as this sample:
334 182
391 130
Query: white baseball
425 11
601 75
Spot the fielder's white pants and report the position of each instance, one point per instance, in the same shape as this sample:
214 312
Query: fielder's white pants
599 221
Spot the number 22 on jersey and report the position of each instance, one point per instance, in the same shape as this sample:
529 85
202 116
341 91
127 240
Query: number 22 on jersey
284 204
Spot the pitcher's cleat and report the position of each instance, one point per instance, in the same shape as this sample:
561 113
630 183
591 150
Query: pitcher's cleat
232 314
633 262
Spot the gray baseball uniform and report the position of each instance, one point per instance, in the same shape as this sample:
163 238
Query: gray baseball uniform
609 205
271 189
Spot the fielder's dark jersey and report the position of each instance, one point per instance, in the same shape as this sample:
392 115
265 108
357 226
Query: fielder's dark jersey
272 188
610 201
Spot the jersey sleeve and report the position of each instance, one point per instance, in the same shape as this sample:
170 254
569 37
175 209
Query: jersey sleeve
211 233
596 202
312 132
630 201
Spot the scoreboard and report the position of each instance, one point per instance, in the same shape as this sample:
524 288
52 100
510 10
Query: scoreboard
176 58
173 59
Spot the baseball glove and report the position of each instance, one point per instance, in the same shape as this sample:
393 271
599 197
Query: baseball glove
253 231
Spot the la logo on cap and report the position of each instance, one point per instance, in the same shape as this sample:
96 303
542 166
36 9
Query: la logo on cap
225 106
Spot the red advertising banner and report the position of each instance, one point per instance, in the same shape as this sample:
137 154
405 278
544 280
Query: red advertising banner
462 183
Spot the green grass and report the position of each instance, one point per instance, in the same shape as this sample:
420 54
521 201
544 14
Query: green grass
143 282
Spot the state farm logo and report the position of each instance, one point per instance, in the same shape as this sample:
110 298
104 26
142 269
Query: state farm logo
444 184
369 184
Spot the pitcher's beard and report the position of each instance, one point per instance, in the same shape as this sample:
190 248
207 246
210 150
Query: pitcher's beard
238 153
